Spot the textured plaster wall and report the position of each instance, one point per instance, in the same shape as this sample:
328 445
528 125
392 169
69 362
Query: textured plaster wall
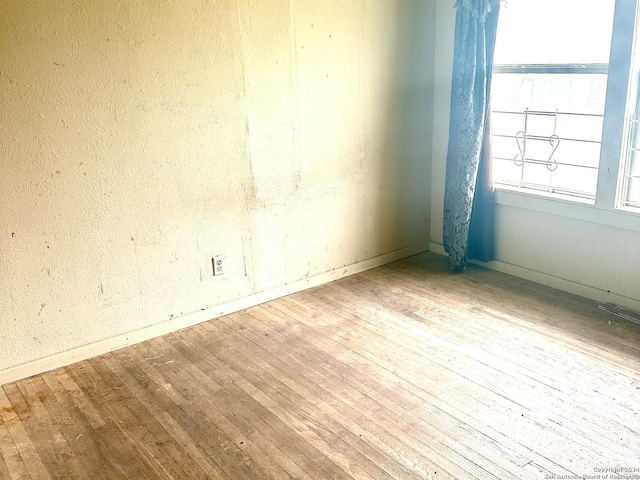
593 254
139 138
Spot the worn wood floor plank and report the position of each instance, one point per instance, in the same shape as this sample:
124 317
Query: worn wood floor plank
212 405
119 433
159 447
396 373
364 347
311 448
199 415
20 435
11 464
77 429
396 398
473 359
36 397
401 372
280 390
385 412
191 426
302 415
508 368
180 447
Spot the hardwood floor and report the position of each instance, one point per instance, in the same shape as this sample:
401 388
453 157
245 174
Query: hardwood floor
402 372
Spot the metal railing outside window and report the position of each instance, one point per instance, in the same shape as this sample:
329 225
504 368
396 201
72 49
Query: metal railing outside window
547 127
566 109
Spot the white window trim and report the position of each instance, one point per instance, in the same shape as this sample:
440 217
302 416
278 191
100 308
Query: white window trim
615 117
565 206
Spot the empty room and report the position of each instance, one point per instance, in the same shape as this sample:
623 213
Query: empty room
319 239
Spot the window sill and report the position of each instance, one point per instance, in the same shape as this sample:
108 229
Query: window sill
569 207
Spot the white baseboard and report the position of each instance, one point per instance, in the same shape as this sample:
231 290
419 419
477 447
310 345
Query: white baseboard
550 281
437 248
98 348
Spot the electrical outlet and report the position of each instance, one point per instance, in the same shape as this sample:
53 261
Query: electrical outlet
218 266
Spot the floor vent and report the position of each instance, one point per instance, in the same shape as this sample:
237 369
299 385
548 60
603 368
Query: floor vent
625 313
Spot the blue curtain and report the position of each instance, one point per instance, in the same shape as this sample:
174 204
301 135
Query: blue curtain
469 135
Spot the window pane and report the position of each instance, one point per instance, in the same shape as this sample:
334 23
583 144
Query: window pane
629 171
634 141
575 179
541 125
579 127
579 93
536 174
577 153
551 118
554 31
634 164
505 147
631 196
562 149
633 192
507 170
506 124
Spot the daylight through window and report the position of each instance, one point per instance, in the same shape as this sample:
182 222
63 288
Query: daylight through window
560 92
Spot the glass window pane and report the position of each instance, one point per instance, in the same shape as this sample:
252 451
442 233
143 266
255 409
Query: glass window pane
633 192
579 127
570 106
575 93
536 174
566 106
506 123
554 31
506 171
634 141
539 150
578 153
540 125
634 164
505 148
575 179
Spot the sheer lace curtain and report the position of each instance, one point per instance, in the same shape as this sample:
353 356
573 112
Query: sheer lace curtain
468 202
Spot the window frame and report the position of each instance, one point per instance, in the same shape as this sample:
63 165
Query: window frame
615 130
619 108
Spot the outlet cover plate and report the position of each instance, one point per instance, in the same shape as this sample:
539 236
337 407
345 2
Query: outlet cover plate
218 265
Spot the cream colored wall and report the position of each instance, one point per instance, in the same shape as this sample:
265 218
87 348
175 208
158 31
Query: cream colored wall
572 247
140 138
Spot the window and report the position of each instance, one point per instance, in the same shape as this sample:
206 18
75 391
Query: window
560 94
629 182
